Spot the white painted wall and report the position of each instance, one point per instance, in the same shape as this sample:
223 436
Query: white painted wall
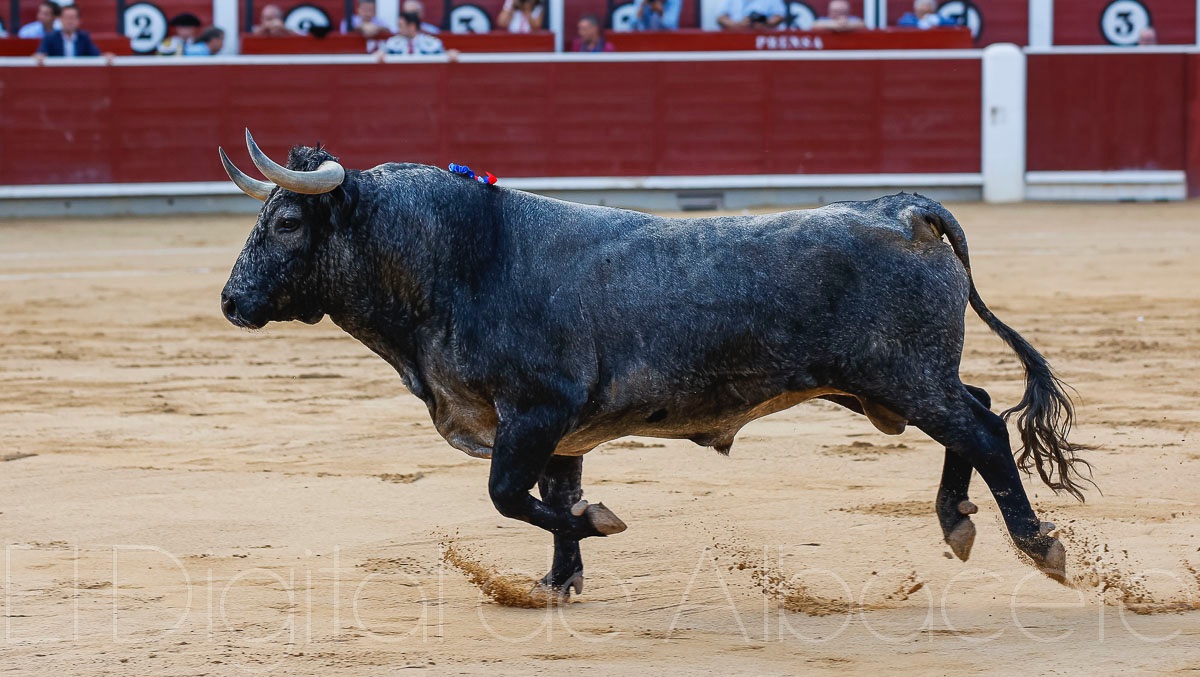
556 23
388 10
226 16
1041 23
1003 115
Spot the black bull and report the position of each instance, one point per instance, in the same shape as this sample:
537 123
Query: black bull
535 330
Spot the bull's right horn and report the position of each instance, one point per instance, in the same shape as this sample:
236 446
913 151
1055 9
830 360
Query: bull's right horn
321 180
259 190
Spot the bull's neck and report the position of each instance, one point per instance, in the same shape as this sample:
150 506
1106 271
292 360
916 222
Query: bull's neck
420 242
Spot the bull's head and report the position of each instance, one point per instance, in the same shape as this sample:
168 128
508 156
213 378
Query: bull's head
276 275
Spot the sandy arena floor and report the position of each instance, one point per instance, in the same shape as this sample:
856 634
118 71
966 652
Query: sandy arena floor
178 496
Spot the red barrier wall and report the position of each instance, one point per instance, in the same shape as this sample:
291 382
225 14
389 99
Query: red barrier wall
1193 125
1107 111
713 41
107 43
163 123
494 42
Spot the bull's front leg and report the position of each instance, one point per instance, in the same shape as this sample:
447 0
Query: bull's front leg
561 487
522 456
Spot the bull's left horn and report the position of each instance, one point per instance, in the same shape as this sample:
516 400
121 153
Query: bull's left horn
260 190
321 180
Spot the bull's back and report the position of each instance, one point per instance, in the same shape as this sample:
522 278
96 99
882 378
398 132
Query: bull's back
727 290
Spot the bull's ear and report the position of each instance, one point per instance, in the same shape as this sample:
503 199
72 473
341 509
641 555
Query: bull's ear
343 204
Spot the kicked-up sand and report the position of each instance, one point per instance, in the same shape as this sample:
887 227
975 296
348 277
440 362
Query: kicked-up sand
181 497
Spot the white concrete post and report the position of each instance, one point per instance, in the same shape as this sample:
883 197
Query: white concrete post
388 10
883 15
227 17
1041 23
871 13
1198 22
557 22
1003 115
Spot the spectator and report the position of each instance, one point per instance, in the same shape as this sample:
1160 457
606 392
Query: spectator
591 37
46 22
68 41
271 23
521 16
415 7
1147 37
366 23
211 41
924 15
658 15
409 40
186 26
751 15
839 19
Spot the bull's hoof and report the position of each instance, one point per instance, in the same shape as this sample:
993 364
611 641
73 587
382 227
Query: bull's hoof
549 594
1047 553
1055 563
967 508
961 538
600 516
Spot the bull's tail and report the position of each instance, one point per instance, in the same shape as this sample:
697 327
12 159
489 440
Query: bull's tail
1045 413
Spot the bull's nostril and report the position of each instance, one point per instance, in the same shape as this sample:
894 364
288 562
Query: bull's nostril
228 307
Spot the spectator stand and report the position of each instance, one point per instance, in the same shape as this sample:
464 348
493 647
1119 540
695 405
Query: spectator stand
1035 23
793 124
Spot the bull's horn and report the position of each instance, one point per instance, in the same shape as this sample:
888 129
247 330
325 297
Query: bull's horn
250 186
321 180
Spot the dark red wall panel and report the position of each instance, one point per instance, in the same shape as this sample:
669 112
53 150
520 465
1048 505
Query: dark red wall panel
1193 125
1078 22
1106 111
134 124
999 20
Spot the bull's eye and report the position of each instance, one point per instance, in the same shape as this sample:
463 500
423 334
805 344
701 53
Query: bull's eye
287 225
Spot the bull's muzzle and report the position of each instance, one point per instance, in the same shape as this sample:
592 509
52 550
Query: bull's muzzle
242 313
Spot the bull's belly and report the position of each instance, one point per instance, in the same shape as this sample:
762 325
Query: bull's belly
472 429
707 428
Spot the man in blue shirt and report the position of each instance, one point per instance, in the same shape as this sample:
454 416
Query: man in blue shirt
209 43
658 15
741 15
46 22
924 15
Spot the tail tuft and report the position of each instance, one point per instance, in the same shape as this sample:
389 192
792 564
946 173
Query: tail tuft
1044 418
1045 413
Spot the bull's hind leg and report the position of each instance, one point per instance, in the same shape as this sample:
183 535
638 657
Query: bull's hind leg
965 426
954 507
560 487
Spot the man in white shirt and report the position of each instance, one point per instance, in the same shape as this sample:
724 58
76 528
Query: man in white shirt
750 15
409 40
